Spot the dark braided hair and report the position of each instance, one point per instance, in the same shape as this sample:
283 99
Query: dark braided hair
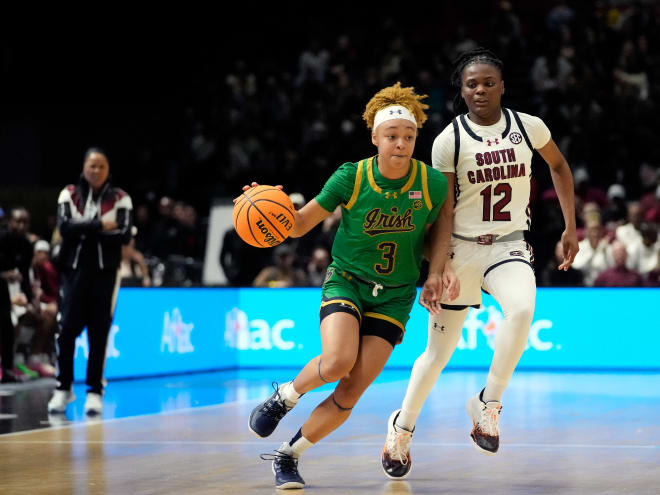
477 55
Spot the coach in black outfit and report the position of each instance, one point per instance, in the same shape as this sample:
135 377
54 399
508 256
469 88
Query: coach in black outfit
94 219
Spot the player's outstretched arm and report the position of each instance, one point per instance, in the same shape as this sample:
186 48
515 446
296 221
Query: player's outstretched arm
308 217
562 178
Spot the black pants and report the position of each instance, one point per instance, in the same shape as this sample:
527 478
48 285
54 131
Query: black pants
87 300
6 328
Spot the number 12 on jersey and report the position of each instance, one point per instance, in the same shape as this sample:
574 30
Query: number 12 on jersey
502 189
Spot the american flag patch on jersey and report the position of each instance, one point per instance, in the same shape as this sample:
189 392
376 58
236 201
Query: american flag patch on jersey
414 194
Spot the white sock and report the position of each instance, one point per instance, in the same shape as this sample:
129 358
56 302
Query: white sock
494 389
296 446
289 394
406 420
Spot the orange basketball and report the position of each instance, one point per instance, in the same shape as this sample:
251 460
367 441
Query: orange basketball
263 216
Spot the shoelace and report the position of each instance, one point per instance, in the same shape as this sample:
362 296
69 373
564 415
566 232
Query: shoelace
489 420
286 464
275 407
398 445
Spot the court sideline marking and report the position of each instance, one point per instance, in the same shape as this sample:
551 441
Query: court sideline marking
365 444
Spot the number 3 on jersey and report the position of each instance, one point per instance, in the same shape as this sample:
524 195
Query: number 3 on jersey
388 253
502 188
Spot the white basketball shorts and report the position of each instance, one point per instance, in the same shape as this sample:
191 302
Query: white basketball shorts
474 263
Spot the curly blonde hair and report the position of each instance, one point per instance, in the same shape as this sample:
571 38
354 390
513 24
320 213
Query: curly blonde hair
396 95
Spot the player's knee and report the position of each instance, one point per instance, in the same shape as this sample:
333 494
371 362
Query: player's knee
433 358
348 395
521 315
335 367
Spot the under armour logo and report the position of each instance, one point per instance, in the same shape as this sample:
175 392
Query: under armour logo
490 143
392 112
435 327
392 194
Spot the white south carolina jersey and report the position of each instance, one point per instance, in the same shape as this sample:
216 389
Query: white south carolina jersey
493 170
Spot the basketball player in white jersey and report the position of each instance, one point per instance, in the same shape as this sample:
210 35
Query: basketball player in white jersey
486 156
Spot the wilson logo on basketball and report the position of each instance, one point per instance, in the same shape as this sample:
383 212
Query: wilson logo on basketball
376 222
283 220
269 238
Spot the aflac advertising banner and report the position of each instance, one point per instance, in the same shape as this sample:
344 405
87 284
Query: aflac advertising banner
160 331
157 331
571 328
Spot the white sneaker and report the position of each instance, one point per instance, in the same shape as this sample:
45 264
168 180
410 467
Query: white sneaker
59 401
485 417
93 404
395 458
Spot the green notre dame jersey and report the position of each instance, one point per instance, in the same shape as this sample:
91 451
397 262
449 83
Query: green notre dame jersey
381 235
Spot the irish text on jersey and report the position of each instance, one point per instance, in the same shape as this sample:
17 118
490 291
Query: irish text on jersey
378 222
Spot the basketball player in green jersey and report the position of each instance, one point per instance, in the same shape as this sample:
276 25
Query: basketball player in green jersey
392 205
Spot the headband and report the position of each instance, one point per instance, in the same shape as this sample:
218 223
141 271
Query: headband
393 112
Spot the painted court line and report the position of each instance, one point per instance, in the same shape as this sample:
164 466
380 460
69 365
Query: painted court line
352 444
92 422
96 421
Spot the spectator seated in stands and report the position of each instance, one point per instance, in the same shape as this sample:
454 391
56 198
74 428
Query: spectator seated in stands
615 212
643 253
650 204
15 289
552 277
240 262
619 275
652 278
132 268
46 288
629 233
282 273
317 266
593 256
586 193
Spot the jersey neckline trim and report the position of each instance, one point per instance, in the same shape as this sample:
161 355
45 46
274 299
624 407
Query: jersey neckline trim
473 135
409 183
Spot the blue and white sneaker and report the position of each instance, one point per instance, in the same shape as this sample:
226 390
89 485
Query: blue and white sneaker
285 469
266 416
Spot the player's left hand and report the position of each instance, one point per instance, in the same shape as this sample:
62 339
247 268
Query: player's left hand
432 294
569 243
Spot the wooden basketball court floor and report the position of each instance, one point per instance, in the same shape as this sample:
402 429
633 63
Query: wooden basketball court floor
562 433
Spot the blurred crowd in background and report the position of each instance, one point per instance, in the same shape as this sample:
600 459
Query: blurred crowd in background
588 69
289 112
